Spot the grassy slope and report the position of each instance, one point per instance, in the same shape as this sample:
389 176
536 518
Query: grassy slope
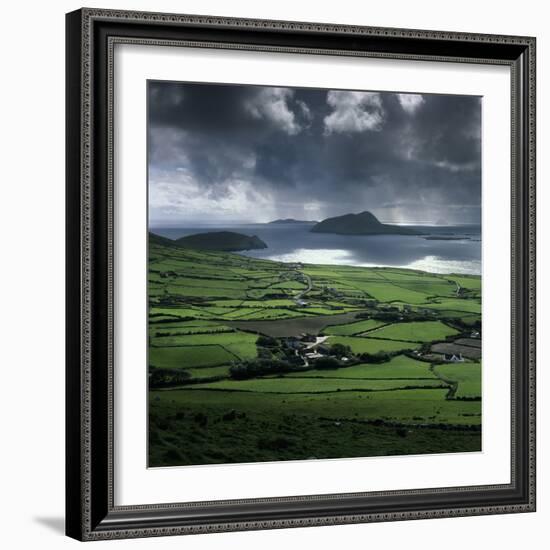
197 427
426 331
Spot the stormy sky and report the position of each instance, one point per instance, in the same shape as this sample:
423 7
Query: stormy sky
222 154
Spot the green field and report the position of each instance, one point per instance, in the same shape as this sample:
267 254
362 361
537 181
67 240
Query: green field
316 385
243 342
190 356
463 305
359 344
399 367
468 376
254 360
209 372
353 328
426 331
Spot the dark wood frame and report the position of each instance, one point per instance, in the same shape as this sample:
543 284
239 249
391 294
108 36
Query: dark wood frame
90 510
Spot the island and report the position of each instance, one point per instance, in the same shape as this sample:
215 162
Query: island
291 220
363 223
446 238
223 241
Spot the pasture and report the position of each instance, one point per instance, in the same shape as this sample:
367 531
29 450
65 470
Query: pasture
468 376
317 385
359 344
425 331
352 329
399 367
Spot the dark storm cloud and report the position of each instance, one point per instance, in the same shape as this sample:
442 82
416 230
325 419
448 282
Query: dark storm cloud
245 153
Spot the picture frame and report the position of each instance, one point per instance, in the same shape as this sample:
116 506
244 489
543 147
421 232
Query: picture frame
91 511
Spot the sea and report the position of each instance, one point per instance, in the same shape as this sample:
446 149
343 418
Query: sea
440 249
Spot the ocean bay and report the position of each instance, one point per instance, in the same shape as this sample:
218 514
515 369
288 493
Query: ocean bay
440 249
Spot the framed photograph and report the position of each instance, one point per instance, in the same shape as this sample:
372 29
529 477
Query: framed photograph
300 274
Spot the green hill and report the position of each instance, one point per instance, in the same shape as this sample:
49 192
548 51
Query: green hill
225 241
364 223
163 241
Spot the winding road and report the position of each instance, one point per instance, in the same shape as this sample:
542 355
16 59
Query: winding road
303 277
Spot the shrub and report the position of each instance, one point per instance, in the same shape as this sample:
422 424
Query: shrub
267 342
340 350
380 357
161 378
264 353
327 363
259 367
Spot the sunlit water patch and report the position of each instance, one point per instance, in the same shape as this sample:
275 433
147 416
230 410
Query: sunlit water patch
433 264
315 256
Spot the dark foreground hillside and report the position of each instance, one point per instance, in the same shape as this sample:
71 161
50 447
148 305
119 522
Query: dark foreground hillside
202 428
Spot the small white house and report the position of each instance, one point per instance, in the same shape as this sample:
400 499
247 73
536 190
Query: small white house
453 357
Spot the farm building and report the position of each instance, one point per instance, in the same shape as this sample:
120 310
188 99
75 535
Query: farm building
467 348
292 342
453 358
314 355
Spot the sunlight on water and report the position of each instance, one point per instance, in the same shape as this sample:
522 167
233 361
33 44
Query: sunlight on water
435 264
316 256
